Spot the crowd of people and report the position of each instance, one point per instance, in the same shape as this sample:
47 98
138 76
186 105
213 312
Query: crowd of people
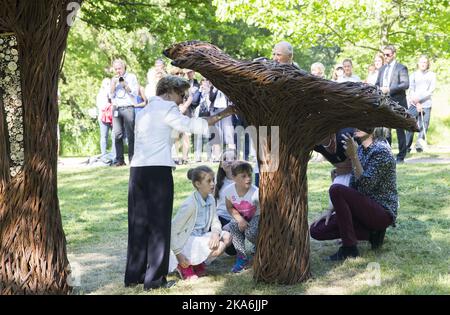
121 98
222 214
412 91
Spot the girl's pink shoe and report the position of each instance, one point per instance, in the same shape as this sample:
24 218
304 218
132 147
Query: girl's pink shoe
187 273
200 270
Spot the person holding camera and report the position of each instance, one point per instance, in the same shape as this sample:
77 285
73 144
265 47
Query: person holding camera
124 90
369 205
332 149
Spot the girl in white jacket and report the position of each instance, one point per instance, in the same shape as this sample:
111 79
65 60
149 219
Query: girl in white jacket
197 234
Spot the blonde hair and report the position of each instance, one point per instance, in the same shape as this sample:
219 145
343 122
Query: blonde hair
428 61
379 55
318 65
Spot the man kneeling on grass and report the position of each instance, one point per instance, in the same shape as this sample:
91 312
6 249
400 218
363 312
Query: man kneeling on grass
364 210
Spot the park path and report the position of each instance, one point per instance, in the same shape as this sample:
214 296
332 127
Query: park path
439 155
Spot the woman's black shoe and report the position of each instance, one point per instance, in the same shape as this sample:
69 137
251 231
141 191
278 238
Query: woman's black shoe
161 284
376 238
343 253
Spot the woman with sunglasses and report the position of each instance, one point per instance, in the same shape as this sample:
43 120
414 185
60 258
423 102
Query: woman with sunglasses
150 191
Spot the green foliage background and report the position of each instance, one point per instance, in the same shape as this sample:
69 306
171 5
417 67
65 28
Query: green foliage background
326 31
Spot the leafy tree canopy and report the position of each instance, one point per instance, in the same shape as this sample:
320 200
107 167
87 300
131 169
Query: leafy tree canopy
413 25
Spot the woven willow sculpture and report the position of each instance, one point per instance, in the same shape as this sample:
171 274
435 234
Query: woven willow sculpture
306 109
33 256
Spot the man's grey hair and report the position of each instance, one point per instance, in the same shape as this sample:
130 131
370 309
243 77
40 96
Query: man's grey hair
121 61
288 47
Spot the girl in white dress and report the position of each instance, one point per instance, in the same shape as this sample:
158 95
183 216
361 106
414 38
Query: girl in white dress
197 234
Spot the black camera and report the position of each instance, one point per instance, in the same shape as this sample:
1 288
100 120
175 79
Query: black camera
121 79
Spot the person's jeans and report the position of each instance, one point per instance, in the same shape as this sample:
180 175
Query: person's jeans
104 133
423 127
401 137
356 216
124 122
199 140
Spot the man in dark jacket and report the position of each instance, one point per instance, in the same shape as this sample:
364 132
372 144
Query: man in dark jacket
393 79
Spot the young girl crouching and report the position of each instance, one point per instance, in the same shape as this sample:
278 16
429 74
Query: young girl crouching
242 200
197 234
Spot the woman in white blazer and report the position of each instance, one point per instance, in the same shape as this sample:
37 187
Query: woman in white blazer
150 191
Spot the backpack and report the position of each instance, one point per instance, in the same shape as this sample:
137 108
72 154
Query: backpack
106 114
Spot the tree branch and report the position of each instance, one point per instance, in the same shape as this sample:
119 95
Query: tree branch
89 22
129 3
345 39
402 32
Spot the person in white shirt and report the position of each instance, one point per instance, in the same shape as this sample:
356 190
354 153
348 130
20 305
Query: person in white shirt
421 87
150 191
197 236
223 132
242 200
124 89
378 62
223 180
318 70
338 72
103 104
348 72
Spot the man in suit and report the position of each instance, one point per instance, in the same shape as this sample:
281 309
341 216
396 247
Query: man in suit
393 80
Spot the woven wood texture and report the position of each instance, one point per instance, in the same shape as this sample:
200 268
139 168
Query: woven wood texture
33 257
306 109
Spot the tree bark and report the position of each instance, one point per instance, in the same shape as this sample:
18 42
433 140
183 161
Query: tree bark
285 243
33 257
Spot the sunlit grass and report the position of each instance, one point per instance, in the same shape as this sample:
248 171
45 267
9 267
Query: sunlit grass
415 258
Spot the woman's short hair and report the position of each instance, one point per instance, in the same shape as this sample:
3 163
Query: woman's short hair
368 130
170 84
376 132
318 65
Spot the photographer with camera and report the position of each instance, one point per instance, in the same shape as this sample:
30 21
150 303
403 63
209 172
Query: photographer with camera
369 205
124 89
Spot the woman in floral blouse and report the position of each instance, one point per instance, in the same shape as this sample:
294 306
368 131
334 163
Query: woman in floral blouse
364 210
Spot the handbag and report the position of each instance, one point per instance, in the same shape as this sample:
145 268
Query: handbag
106 115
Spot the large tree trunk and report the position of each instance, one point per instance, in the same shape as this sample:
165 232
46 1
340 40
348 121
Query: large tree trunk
284 254
33 257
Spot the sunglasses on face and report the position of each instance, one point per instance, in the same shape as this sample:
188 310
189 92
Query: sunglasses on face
388 55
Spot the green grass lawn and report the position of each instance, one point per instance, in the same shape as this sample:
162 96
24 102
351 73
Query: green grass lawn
415 258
